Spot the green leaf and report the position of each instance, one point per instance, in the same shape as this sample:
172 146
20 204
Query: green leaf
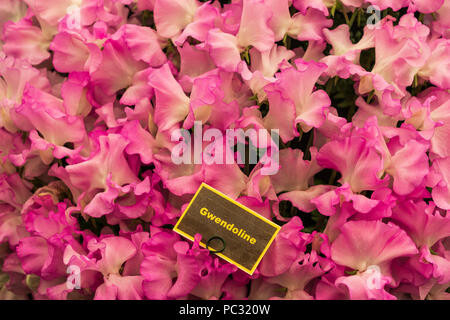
32 281
352 273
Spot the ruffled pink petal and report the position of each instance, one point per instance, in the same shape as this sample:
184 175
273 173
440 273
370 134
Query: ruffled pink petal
302 199
204 20
114 252
120 288
428 6
108 159
46 113
310 106
172 105
177 260
281 113
25 41
437 67
143 43
180 179
50 13
358 163
394 4
411 157
358 287
423 223
74 94
11 228
439 113
117 68
73 53
365 243
295 173
280 20
141 141
133 265
441 191
171 17
309 26
194 61
306 268
254 29
223 49
284 250
40 257
303 5
207 102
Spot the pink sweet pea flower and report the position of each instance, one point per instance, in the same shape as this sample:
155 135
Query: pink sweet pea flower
254 29
409 36
287 247
50 229
440 179
194 61
172 104
426 6
16 74
362 244
291 105
25 41
306 268
358 162
303 5
437 66
367 285
117 68
11 227
166 258
264 65
100 267
433 115
72 52
171 17
423 223
309 26
209 101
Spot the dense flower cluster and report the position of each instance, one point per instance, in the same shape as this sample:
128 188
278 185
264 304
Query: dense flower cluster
92 90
